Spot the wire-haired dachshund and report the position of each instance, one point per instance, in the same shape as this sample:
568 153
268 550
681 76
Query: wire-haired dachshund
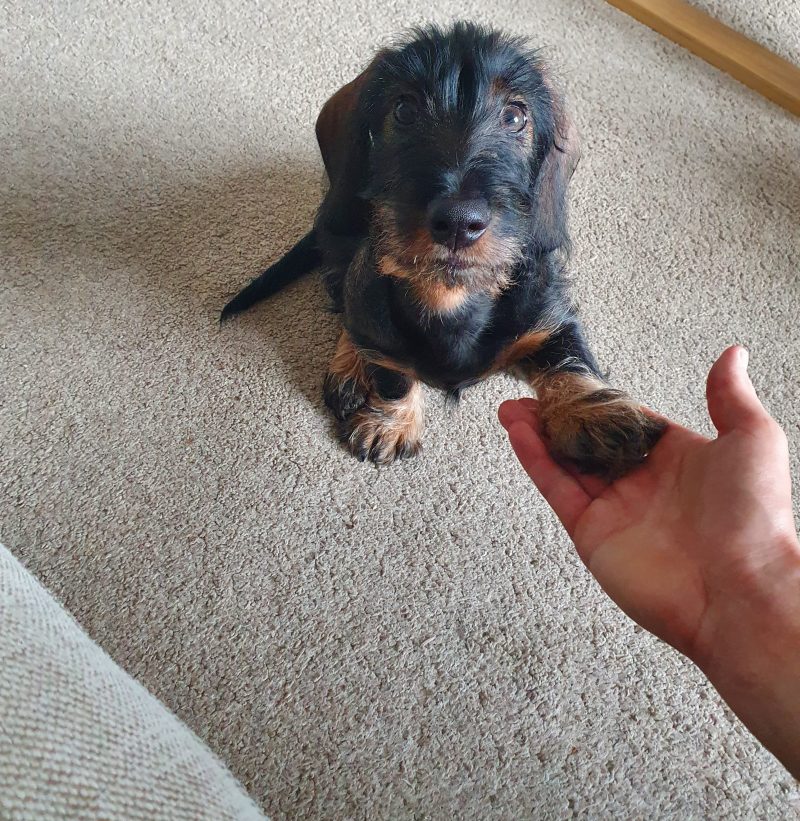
444 240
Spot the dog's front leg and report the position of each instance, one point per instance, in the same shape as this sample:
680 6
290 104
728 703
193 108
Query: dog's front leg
380 409
584 420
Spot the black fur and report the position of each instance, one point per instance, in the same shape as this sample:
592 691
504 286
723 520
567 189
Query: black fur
458 81
300 260
455 147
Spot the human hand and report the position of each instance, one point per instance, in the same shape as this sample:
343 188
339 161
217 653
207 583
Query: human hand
697 544
692 529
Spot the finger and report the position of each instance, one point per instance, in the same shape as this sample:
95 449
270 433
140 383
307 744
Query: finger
519 410
561 491
527 410
593 485
732 400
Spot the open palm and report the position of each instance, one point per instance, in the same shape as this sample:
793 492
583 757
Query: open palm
687 536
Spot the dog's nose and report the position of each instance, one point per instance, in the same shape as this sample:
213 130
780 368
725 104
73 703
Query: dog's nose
457 223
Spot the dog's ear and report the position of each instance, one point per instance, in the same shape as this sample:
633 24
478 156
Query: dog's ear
550 230
336 121
344 142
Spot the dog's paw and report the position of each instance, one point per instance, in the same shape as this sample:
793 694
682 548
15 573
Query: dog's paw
343 396
373 435
603 432
384 431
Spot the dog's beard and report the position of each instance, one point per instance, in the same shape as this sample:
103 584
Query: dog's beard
484 266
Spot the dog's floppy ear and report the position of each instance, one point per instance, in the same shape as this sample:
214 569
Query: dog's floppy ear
344 142
550 229
335 124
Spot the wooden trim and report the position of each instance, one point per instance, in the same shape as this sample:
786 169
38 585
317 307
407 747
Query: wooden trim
752 64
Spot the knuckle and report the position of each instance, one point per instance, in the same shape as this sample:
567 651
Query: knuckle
767 428
722 382
779 435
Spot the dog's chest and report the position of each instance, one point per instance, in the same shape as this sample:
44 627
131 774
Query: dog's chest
453 348
448 349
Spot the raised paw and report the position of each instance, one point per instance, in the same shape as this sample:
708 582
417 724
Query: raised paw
343 396
383 431
602 431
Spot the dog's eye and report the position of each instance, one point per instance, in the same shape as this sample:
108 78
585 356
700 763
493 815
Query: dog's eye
513 119
405 111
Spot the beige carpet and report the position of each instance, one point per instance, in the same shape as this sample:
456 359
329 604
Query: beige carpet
411 642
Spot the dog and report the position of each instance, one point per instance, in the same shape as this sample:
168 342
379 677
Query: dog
444 240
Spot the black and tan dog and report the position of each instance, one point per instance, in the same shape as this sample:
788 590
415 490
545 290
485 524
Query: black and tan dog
444 237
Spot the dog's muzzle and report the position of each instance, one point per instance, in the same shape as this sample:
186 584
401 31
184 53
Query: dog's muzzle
458 223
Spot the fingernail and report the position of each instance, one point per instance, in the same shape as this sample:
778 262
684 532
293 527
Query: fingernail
744 356
501 413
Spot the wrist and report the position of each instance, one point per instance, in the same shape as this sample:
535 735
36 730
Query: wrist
761 619
752 658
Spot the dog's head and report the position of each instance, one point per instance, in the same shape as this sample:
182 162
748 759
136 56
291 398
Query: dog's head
458 148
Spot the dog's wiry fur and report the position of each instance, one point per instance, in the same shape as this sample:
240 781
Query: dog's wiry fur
591 424
465 115
387 429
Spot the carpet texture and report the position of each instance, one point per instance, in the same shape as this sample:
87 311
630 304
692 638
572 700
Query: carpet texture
411 642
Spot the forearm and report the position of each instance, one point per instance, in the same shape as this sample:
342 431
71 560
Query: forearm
755 665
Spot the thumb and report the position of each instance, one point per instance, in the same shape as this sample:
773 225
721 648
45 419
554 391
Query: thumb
732 400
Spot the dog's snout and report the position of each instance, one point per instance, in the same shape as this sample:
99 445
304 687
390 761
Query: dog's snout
458 223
